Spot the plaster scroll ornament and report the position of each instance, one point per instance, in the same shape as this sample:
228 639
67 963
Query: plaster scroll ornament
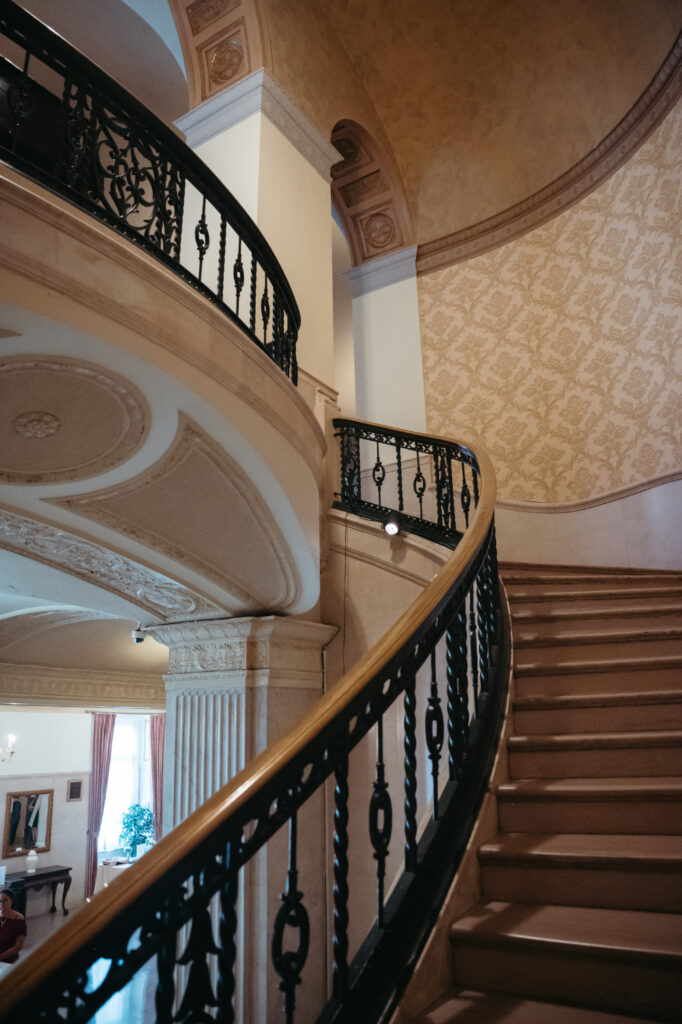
203 13
45 543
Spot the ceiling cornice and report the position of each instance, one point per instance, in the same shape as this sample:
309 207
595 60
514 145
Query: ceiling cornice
572 186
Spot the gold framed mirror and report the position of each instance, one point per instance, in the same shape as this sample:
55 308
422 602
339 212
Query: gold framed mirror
28 822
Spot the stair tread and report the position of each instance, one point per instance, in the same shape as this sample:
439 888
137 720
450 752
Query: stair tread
523 615
634 787
624 932
566 849
530 638
597 740
549 702
467 1006
593 665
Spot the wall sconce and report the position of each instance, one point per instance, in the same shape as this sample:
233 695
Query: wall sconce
8 754
392 524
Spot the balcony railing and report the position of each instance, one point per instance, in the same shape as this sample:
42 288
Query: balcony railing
67 125
434 686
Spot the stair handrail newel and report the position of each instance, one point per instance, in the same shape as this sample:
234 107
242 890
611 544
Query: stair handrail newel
100 148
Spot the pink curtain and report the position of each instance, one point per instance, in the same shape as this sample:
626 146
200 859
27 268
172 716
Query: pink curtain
102 738
157 732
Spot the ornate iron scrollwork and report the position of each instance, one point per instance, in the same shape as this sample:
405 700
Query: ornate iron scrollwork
292 914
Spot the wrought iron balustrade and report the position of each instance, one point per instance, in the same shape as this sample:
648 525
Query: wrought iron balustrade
426 701
432 483
67 125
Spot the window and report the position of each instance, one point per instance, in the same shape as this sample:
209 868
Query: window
130 779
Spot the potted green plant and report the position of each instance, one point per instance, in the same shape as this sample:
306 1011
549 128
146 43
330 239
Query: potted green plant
137 827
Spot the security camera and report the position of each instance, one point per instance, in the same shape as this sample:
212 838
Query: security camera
137 634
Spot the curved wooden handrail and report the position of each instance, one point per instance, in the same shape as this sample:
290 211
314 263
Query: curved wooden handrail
170 852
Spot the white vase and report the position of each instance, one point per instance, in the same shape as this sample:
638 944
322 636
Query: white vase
31 862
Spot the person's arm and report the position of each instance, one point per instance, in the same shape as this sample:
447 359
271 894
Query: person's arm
8 954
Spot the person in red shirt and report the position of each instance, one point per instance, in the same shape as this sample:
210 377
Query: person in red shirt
12 929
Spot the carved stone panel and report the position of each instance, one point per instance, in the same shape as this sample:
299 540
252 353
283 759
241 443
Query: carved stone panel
224 58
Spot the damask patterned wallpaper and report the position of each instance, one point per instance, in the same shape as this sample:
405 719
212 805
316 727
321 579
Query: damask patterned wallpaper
562 351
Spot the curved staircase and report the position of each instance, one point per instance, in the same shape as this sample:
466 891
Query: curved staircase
580 918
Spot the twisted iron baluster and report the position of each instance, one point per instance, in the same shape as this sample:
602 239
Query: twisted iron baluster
380 804
221 258
474 473
482 596
227 930
473 647
238 275
252 297
465 497
434 727
419 487
458 693
451 495
265 314
202 237
340 945
165 960
399 471
292 913
277 353
410 746
378 475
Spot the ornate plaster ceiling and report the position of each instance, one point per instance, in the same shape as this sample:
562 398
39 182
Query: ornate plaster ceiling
64 419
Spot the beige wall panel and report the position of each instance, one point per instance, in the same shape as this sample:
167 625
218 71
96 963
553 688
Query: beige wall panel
561 350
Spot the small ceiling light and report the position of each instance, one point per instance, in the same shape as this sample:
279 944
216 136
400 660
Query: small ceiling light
392 524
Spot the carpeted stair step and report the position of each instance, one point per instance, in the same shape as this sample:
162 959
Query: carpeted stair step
604 675
593 755
628 712
639 806
466 1006
640 872
624 961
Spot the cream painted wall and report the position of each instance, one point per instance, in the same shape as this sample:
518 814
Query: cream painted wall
388 360
52 747
638 531
293 214
234 157
344 349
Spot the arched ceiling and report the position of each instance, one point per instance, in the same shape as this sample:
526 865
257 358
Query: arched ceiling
483 102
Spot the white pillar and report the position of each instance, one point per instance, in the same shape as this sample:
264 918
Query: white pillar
388 357
233 688
277 164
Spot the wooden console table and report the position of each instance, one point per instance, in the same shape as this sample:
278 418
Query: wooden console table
53 875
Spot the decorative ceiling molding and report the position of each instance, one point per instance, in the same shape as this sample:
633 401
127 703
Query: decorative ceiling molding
382 271
247 651
65 419
197 506
600 499
20 626
259 93
73 687
368 195
158 594
221 41
581 179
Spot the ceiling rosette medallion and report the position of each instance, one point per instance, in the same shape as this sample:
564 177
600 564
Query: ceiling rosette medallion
65 419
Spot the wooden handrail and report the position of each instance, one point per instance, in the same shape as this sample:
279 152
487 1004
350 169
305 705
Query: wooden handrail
175 849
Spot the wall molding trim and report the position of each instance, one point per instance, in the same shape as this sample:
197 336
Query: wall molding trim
77 687
600 499
258 93
383 271
572 186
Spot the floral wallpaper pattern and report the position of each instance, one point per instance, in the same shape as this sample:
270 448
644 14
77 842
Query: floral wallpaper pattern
562 351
